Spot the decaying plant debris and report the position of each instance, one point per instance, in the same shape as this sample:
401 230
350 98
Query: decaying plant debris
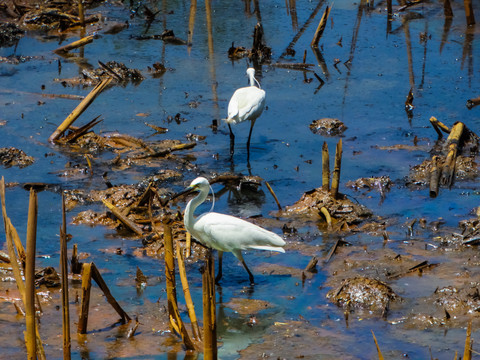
328 127
15 157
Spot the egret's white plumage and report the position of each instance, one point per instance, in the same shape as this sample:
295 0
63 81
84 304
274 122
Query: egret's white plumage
224 232
247 103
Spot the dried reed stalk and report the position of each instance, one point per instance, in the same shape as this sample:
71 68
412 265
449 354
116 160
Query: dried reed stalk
453 142
64 270
30 336
471 103
106 291
325 167
467 352
86 287
188 245
336 170
437 125
84 104
129 224
274 196
328 218
176 322
81 13
10 233
169 265
188 297
320 28
74 45
209 316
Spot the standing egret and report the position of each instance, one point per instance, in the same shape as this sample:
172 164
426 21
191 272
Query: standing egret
247 103
224 232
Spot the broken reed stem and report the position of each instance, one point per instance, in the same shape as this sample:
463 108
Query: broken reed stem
336 170
437 125
64 270
84 104
74 45
86 287
320 28
453 142
186 292
95 274
173 312
188 245
30 336
471 103
434 177
81 13
469 12
169 266
274 196
129 224
328 218
76 265
325 167
209 316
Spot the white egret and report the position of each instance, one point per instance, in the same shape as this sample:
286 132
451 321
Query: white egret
224 232
247 103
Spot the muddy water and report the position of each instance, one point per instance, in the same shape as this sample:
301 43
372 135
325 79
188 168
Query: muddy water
377 66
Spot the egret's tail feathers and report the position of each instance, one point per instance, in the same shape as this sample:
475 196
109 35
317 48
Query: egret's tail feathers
271 248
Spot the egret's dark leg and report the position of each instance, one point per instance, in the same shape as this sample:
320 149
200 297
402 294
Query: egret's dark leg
232 140
219 273
250 275
249 136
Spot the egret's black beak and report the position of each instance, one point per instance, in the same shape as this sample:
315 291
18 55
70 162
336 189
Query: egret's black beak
184 192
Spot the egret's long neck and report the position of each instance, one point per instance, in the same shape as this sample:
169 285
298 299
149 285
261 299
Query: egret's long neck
191 206
251 76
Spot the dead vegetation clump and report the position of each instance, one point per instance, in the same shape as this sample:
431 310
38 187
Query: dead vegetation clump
119 72
364 293
328 127
318 204
15 157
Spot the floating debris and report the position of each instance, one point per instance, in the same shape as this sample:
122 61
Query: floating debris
328 127
10 33
15 157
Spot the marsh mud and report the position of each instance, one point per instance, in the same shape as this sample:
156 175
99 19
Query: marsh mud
396 255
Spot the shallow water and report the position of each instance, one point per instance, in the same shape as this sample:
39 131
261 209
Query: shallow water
368 97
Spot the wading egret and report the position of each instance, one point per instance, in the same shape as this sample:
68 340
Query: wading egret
247 103
224 232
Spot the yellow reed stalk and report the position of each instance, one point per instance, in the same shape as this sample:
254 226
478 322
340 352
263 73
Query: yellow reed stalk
84 104
30 276
325 167
74 45
336 170
186 292
209 315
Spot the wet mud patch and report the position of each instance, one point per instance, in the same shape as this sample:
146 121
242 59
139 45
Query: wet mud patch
247 306
295 339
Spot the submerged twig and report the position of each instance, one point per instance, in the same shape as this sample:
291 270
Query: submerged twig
274 196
